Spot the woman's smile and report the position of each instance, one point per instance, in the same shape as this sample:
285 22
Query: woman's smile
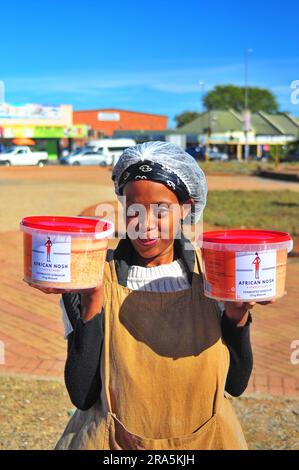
147 241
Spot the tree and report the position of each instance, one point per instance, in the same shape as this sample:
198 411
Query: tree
185 118
231 96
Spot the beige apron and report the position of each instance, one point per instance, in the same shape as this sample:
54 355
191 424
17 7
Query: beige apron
163 370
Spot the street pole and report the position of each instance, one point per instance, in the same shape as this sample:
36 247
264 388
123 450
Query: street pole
208 133
202 85
246 119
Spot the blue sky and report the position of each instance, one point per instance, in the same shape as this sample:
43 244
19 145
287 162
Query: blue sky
145 55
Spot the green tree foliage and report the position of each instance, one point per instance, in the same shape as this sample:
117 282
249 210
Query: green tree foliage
231 96
185 118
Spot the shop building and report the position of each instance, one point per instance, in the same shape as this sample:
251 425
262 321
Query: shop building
48 127
225 130
105 122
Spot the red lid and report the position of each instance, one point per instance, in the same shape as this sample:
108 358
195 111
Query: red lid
246 236
66 224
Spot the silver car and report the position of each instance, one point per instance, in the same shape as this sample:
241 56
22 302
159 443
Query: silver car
84 156
216 155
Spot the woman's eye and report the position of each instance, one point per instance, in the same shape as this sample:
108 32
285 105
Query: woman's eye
163 212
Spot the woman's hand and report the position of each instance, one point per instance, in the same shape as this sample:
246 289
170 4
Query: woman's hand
50 290
238 312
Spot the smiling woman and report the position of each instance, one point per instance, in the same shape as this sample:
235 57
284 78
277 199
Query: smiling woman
149 355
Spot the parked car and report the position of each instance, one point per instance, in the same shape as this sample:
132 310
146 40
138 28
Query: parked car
216 155
84 156
102 152
264 158
111 148
292 157
23 156
199 153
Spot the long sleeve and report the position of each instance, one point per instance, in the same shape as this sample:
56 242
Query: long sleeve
237 340
82 368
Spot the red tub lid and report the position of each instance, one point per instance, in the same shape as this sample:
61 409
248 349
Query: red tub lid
246 236
66 224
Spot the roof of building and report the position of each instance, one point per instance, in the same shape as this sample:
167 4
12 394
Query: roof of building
154 133
115 110
218 121
226 121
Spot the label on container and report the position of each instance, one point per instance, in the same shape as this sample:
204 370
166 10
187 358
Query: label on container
51 258
255 274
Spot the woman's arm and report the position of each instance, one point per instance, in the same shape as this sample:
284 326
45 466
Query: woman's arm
235 327
82 368
237 339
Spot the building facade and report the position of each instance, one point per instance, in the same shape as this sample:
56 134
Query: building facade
105 122
47 126
225 130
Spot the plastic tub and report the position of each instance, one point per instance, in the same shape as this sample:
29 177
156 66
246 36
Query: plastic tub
245 265
65 254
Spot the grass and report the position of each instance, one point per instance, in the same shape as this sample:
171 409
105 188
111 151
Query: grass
243 168
272 210
34 414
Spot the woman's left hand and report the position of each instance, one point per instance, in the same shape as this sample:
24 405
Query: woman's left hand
238 312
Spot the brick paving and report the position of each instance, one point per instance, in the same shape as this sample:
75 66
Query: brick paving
32 333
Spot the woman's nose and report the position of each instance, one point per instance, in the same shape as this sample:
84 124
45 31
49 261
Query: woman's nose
148 221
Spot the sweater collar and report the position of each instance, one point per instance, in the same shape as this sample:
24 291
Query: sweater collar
123 257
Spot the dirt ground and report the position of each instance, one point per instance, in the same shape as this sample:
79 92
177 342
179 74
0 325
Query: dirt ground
59 190
34 413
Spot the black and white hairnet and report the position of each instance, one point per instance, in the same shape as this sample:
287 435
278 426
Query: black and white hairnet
174 158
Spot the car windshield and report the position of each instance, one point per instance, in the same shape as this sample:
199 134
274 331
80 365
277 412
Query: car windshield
76 152
10 150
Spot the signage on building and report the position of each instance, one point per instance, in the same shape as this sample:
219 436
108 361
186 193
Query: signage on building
45 132
277 139
29 111
218 138
104 116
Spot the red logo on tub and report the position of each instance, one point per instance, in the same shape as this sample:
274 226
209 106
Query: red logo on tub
257 261
48 245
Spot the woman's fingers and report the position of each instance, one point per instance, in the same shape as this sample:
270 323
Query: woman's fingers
249 305
267 302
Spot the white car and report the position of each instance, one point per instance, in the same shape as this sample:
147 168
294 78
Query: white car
101 152
84 156
111 149
23 156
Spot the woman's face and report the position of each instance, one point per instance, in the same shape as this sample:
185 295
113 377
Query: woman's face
153 215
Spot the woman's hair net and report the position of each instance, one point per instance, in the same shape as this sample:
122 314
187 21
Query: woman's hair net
174 158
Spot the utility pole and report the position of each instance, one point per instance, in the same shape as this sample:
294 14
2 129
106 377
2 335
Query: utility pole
246 113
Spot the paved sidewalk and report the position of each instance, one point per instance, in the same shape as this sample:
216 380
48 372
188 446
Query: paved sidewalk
32 333
31 330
